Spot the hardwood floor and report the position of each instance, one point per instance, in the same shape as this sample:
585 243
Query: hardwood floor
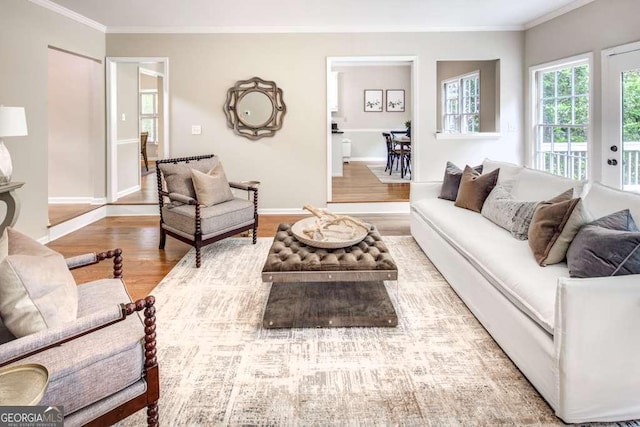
145 265
359 185
61 213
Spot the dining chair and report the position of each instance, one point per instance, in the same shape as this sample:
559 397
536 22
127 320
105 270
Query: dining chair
391 153
143 148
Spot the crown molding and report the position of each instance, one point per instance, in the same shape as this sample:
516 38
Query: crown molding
303 29
558 12
54 7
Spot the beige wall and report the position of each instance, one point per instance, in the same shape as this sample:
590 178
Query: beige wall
292 165
352 82
591 28
76 123
489 95
26 30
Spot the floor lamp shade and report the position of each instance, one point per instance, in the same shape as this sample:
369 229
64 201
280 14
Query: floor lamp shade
13 122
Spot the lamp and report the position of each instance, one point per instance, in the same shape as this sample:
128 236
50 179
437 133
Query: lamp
13 122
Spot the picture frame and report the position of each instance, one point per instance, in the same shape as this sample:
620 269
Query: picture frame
373 100
395 100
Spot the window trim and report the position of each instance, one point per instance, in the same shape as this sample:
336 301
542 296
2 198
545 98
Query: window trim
443 101
153 116
532 105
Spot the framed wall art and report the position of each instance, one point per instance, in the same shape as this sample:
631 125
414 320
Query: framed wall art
395 100
373 100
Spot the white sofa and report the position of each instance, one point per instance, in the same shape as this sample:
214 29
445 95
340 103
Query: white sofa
576 340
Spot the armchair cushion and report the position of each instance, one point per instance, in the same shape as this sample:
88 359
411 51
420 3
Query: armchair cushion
212 187
37 291
87 369
216 219
177 176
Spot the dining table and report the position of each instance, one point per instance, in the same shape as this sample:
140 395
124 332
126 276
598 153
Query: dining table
401 140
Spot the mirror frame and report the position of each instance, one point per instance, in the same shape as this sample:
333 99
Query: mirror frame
244 87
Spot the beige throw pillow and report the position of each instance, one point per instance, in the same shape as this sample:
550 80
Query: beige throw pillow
554 224
211 187
475 188
37 290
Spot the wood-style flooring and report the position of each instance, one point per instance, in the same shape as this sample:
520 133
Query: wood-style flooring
359 185
145 265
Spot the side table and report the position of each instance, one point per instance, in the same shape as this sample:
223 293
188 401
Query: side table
8 196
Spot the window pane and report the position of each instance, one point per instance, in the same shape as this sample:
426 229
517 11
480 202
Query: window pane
581 75
547 134
560 134
549 111
147 104
631 106
149 125
548 85
564 111
578 135
564 82
581 110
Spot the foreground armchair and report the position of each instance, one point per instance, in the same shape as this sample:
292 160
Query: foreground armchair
102 366
197 205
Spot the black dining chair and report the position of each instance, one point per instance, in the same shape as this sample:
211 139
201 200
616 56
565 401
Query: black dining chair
392 155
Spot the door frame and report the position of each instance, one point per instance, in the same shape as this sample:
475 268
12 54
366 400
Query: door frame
111 65
413 60
608 115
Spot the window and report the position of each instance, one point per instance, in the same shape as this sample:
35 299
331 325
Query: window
149 113
561 118
461 104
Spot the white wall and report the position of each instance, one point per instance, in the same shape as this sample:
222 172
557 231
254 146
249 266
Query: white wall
591 28
26 30
128 147
76 124
292 165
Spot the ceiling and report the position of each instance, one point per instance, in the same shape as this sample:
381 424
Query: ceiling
312 15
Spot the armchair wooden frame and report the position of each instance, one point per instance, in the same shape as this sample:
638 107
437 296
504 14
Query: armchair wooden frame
197 240
150 398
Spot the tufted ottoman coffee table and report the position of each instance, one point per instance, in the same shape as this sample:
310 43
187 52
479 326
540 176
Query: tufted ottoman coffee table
313 287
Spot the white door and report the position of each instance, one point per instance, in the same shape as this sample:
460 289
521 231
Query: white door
621 115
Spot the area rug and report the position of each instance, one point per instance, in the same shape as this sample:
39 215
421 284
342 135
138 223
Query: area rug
384 177
218 366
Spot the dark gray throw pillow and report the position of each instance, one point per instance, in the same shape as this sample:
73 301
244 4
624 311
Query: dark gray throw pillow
609 246
451 181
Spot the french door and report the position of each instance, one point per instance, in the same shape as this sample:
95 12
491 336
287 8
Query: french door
621 118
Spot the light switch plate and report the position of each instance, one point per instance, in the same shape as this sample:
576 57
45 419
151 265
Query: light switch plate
196 130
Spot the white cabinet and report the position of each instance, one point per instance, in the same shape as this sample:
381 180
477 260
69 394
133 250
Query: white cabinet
333 91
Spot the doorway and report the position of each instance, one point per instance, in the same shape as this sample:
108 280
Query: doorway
621 117
137 101
366 97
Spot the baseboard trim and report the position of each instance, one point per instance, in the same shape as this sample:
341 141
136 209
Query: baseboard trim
77 201
74 224
128 191
132 210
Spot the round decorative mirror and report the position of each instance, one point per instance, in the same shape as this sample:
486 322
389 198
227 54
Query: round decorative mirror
254 108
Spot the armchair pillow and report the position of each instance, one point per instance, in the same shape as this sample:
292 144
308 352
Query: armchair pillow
177 176
211 187
554 224
609 246
474 188
451 181
37 291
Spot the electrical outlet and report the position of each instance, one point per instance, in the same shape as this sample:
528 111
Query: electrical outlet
511 127
196 130
124 117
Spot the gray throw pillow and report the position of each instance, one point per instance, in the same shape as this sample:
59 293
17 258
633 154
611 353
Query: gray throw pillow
522 220
451 181
500 207
609 246
178 175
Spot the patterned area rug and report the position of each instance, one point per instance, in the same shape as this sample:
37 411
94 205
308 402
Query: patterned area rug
385 178
219 367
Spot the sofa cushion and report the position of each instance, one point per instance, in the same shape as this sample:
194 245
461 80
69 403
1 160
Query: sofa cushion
177 176
37 291
554 224
601 200
504 261
609 246
536 185
474 188
451 181
85 370
508 171
212 187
